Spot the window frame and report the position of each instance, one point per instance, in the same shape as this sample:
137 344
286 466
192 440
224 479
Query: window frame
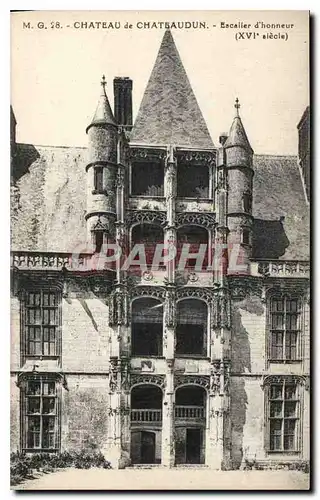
283 382
247 202
25 307
25 414
246 230
98 189
271 332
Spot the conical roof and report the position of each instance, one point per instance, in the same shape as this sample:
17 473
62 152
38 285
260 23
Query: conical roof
169 112
237 135
103 114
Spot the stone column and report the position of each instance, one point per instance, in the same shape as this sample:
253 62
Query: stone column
125 413
215 439
167 459
112 450
170 190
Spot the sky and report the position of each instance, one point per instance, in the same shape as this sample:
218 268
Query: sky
56 72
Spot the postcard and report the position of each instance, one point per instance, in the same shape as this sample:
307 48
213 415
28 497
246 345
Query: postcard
160 198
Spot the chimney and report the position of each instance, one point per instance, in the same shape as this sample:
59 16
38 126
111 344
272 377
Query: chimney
122 89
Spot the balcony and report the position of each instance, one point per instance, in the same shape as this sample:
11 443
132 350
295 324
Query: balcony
280 269
189 412
146 415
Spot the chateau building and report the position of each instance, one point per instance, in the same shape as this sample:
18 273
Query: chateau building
160 287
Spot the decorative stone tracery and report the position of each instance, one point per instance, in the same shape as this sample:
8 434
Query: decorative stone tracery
147 153
289 379
119 307
205 294
201 380
203 157
207 220
221 309
156 292
158 380
145 217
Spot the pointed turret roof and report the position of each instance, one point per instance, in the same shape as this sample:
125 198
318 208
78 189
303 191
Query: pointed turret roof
237 135
169 112
103 114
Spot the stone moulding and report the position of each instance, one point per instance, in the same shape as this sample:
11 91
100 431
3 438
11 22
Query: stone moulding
138 379
201 380
284 268
135 217
207 220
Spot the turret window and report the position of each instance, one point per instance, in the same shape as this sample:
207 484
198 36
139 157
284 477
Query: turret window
98 180
98 240
245 236
247 202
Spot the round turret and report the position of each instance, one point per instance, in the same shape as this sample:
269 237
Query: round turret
239 162
101 173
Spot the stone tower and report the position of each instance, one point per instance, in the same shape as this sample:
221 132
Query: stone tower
101 174
238 157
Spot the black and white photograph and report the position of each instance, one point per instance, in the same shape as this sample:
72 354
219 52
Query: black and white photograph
160 213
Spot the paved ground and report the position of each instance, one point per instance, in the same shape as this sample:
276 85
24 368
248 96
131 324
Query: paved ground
135 479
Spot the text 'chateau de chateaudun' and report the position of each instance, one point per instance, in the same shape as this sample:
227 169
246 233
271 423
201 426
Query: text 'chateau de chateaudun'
160 286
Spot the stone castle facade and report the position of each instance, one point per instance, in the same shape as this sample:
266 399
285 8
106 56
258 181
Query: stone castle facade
199 360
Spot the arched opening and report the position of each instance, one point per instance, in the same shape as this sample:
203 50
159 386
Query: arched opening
190 417
147 178
146 421
192 180
191 331
147 327
189 239
148 235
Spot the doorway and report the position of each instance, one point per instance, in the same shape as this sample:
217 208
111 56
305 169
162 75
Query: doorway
193 446
148 447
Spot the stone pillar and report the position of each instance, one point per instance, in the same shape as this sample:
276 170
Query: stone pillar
170 312
125 413
170 190
168 417
216 456
112 451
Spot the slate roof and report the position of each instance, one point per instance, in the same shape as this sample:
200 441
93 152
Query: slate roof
169 112
103 114
49 203
237 135
278 192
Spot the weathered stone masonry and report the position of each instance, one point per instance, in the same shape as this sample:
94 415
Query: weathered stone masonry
165 366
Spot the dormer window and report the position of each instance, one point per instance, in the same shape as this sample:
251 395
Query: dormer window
98 180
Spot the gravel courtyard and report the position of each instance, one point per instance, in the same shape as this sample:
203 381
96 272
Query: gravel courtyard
160 479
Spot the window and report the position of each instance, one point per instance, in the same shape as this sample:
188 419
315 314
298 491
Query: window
245 236
247 202
98 180
283 415
41 322
40 414
98 240
191 330
192 181
147 178
147 327
284 328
